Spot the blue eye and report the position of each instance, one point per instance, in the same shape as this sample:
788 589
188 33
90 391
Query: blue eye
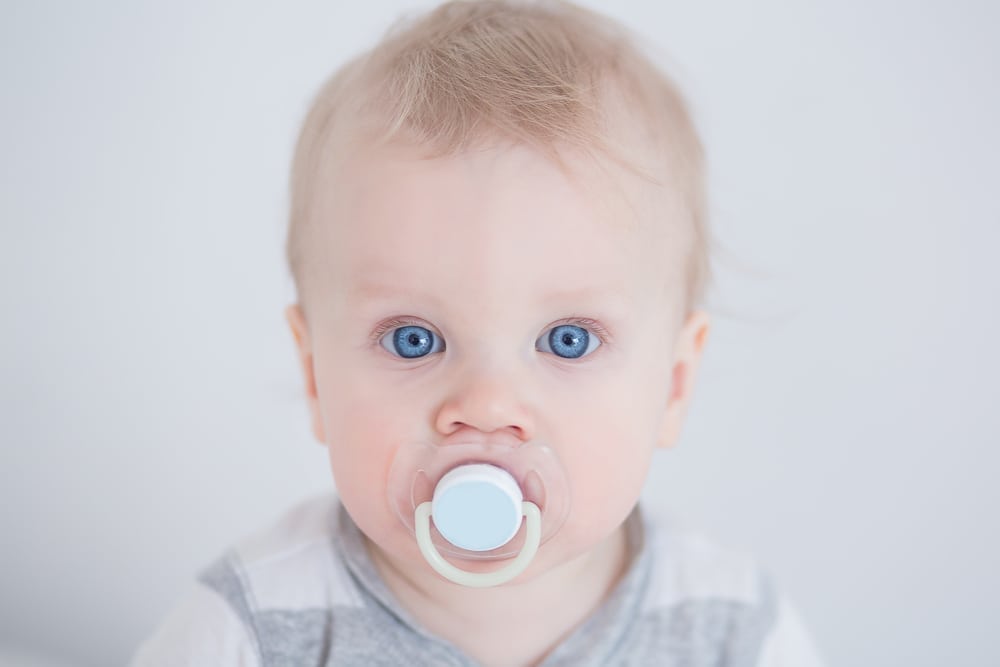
411 342
568 341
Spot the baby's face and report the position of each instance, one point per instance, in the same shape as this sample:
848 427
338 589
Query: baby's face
487 297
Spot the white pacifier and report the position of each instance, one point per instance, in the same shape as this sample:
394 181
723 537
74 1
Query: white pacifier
468 500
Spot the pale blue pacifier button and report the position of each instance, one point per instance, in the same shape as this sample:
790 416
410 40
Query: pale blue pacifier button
477 506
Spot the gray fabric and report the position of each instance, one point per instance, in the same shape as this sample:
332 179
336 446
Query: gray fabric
292 638
693 633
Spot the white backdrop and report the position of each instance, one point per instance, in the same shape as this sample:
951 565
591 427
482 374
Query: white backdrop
845 426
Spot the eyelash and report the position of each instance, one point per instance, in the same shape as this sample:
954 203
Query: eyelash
591 325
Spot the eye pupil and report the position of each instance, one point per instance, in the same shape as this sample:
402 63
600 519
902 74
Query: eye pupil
412 341
569 341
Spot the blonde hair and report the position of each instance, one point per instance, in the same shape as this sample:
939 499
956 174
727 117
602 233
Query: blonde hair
546 74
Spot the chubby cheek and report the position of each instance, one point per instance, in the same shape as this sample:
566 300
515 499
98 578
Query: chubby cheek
607 472
606 447
364 429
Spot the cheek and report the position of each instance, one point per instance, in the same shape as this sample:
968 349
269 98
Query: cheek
609 458
364 429
607 444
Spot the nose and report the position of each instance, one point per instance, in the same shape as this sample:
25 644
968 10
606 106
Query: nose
487 402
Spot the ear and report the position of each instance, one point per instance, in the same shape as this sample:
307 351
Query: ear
687 356
300 330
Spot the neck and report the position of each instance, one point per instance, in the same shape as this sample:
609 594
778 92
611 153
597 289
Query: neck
467 617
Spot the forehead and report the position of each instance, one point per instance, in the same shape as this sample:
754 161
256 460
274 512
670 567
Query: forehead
490 223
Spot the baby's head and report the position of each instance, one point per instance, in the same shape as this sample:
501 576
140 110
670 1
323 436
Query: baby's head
498 236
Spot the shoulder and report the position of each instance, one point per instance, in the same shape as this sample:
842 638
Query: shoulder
702 592
274 590
689 566
290 563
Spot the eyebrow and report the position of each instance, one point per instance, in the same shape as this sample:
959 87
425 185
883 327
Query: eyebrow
381 290
592 293
378 290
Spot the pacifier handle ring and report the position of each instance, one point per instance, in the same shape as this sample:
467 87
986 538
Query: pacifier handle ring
532 538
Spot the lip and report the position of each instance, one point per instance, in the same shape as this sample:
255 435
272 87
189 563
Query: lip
472 437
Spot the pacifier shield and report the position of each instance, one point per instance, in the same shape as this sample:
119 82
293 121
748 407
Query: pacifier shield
479 523
477 507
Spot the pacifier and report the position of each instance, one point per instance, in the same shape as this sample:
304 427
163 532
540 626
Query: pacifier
479 502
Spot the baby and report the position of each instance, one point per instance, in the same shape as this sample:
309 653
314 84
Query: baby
499 245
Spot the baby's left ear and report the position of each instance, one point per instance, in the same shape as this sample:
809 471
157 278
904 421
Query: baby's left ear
687 356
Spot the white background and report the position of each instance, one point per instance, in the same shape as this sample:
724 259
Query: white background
845 427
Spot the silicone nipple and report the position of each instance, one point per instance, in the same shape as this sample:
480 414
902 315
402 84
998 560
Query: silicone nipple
478 507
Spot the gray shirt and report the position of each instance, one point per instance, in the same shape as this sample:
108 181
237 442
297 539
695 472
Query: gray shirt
304 592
